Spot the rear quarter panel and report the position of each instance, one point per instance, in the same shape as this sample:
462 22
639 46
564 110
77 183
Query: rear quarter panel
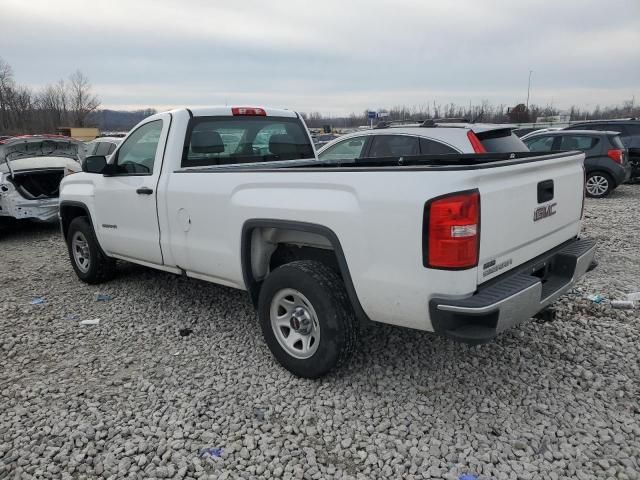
377 217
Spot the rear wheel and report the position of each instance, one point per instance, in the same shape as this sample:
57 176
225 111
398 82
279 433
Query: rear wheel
89 263
306 318
599 184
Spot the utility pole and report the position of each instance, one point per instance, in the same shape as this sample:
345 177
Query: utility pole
529 89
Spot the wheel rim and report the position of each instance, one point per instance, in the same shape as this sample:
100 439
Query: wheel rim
597 185
295 323
81 254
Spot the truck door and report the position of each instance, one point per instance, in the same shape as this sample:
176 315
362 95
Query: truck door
125 202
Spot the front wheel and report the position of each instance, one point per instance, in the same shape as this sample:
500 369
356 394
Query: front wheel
89 263
306 318
598 185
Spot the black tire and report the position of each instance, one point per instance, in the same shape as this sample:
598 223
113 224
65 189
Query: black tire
99 268
325 291
599 184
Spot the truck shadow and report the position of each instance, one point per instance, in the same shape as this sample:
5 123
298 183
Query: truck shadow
419 363
513 375
15 229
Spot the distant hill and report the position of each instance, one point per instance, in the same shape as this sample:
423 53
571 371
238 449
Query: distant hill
118 120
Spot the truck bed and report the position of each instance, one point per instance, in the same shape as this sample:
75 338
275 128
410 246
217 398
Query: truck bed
376 206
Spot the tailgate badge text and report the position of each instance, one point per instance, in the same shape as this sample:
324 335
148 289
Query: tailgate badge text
544 212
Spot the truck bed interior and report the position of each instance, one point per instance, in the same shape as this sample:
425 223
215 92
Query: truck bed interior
455 160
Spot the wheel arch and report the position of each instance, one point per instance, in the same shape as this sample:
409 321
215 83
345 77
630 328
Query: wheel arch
253 285
69 210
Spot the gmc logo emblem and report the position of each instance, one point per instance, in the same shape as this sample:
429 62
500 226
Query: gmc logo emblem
544 212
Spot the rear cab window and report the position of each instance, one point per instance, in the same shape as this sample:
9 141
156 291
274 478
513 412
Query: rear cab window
226 140
501 141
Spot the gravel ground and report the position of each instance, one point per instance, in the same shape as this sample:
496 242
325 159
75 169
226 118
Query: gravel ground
132 397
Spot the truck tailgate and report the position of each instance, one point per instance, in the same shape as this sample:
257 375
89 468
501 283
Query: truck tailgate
526 210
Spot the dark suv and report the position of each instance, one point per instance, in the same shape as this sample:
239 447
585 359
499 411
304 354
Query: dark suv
629 131
605 160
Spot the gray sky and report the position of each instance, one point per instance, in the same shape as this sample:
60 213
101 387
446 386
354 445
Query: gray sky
329 56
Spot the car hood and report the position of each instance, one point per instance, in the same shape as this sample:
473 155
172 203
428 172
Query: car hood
34 153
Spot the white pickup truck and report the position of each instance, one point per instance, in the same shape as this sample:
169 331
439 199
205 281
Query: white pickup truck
464 245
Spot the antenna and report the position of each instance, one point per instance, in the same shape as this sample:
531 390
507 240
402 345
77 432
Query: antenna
529 89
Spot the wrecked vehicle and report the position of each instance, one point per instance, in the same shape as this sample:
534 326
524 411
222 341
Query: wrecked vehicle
31 168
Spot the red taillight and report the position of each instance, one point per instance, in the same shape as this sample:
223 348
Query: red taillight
475 142
249 111
616 155
452 231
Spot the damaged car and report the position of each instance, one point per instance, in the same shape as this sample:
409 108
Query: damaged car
31 168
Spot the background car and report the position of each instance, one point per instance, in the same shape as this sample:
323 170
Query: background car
102 146
605 162
521 132
533 132
427 138
31 169
321 140
629 130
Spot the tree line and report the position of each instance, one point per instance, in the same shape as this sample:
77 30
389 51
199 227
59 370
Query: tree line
72 103
483 112
67 102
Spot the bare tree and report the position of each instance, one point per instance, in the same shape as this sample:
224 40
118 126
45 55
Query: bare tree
82 101
21 105
6 92
53 103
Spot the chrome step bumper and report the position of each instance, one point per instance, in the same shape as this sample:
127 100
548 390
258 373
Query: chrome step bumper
514 296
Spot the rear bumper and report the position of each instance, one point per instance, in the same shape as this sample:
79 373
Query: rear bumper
620 173
627 174
15 206
513 297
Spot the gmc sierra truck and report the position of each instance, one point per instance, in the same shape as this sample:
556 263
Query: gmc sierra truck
466 245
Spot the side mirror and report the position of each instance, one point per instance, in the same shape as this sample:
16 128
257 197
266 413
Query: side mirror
94 164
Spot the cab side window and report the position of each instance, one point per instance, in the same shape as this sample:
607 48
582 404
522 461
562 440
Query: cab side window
394 145
90 148
540 144
346 150
103 148
137 153
582 142
431 147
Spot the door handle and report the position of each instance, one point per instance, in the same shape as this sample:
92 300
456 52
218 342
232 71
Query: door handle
545 191
144 191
